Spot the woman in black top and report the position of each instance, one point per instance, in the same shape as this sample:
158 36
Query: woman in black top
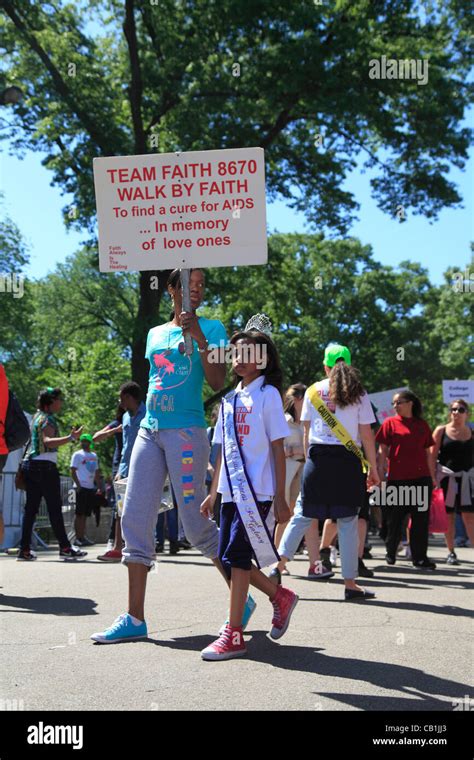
454 452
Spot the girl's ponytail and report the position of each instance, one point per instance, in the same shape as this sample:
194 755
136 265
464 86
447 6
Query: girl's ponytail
345 387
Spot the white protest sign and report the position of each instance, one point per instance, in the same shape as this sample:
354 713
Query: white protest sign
383 403
453 389
169 210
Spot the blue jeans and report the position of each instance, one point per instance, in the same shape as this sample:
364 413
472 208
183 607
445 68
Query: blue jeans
172 523
347 533
461 533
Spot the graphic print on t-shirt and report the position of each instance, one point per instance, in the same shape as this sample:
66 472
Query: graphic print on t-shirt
169 375
174 398
165 367
241 422
324 394
86 463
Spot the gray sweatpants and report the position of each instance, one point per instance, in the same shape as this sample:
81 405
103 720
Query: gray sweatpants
184 454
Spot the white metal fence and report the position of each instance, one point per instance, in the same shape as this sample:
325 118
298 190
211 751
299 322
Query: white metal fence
12 504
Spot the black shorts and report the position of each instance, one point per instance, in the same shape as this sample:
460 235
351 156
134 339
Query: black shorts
235 549
85 501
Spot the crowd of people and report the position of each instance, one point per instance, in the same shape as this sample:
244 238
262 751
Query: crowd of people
276 471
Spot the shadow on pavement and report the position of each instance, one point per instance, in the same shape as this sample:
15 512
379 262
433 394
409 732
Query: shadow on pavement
184 562
376 582
415 573
400 704
313 660
411 606
50 605
427 583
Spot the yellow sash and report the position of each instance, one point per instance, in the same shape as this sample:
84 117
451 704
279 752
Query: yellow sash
336 427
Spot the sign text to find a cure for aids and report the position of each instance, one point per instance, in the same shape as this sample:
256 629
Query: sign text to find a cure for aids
181 209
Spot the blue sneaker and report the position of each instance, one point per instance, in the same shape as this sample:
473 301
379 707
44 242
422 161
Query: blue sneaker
122 629
249 609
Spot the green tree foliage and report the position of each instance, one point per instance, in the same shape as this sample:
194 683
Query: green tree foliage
317 290
90 383
156 77
401 329
16 300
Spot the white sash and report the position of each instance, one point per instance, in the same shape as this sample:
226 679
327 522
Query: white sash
242 492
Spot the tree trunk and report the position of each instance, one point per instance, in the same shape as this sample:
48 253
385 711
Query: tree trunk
147 317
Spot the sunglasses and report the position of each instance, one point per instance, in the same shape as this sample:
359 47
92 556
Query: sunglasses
460 409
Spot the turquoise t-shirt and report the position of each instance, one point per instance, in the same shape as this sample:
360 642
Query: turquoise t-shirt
174 398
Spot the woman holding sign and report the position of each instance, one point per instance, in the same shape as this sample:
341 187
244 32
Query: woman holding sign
337 417
172 439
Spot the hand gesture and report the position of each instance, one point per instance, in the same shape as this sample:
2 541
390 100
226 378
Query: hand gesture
281 509
372 478
207 507
77 432
189 322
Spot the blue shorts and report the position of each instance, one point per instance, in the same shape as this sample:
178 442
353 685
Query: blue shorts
235 549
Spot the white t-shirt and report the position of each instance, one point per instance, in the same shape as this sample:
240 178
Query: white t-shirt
86 464
351 417
260 420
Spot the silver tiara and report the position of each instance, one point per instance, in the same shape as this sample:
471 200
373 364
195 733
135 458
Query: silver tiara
259 322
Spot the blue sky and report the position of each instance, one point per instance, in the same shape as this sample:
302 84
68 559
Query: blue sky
35 207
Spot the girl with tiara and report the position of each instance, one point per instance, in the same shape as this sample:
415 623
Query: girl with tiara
250 476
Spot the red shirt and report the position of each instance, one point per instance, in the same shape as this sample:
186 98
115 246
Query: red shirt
3 408
408 439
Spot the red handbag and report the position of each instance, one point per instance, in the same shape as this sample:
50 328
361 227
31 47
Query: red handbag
438 515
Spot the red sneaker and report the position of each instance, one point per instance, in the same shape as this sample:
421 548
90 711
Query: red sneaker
113 555
230 644
284 603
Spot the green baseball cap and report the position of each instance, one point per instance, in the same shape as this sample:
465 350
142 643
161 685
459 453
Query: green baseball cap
87 437
335 351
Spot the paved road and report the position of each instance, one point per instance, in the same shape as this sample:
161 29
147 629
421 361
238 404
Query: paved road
410 649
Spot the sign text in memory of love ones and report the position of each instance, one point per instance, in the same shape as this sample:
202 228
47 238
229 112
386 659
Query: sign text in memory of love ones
201 208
